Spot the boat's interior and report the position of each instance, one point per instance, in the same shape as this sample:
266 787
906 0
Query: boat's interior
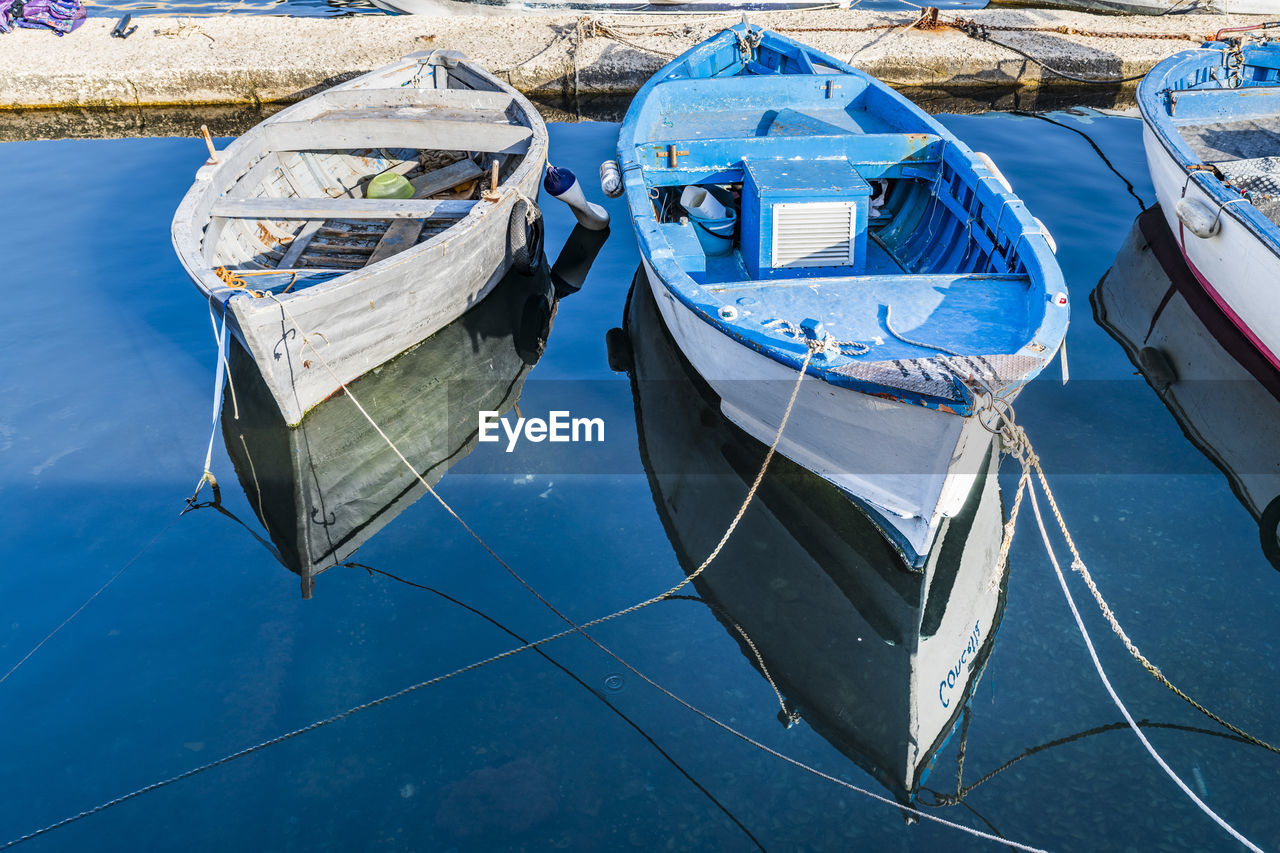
1230 118
844 207
298 205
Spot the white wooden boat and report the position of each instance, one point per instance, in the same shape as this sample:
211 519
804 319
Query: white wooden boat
1223 394
850 222
323 489
879 661
279 236
1211 129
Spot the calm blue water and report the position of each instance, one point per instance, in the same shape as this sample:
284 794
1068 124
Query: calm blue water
203 646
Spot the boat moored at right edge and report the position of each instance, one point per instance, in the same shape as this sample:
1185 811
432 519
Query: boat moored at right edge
1211 129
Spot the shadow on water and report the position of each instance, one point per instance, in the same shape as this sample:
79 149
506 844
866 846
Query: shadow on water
1222 392
324 488
878 659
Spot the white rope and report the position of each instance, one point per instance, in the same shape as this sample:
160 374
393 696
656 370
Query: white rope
1097 664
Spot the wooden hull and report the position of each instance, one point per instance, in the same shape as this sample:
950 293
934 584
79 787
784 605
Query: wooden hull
911 465
1233 266
311 340
880 662
357 325
851 236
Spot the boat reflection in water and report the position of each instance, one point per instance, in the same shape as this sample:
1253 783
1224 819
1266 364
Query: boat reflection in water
879 659
324 488
1223 393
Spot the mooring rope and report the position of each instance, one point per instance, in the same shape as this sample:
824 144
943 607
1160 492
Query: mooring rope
574 628
1020 446
962 791
576 678
1102 676
90 599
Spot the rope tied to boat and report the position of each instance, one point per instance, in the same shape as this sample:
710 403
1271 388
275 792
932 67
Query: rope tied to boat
235 280
1015 441
825 343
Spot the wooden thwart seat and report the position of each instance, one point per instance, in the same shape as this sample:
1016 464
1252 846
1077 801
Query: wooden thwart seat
408 130
338 208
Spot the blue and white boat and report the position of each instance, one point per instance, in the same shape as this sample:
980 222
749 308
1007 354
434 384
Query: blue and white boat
1211 128
828 211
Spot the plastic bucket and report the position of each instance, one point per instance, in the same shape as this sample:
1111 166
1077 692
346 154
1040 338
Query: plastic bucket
712 216
715 235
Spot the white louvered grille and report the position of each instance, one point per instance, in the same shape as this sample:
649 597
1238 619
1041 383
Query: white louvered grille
814 234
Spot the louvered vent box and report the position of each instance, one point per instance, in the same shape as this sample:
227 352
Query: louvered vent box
803 218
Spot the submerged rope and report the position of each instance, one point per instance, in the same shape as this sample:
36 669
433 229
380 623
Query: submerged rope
372 571
1097 665
1031 462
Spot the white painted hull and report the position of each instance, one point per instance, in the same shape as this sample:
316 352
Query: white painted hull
1237 270
310 342
877 662
912 464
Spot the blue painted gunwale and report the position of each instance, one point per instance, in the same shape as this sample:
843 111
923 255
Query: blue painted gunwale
915 154
1203 69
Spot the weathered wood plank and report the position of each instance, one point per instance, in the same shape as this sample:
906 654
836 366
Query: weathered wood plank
439 180
403 234
337 208
299 244
457 99
406 132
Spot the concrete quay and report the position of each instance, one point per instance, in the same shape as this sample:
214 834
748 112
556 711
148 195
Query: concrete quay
253 60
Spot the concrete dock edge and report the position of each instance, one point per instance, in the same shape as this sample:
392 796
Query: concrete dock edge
252 60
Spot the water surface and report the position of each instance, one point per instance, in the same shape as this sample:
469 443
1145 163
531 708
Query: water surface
204 645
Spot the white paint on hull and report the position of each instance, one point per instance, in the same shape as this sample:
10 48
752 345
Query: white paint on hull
360 320
1238 267
914 464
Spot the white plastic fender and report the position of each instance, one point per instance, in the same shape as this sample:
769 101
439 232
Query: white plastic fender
610 178
1200 219
562 184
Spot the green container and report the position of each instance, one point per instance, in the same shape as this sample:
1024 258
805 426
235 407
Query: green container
389 185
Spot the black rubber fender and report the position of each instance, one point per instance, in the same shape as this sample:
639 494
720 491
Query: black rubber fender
524 237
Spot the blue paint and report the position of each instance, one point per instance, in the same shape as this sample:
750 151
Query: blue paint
1204 86
203 646
783 124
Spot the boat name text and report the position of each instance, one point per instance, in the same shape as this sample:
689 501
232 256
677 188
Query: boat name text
946 685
